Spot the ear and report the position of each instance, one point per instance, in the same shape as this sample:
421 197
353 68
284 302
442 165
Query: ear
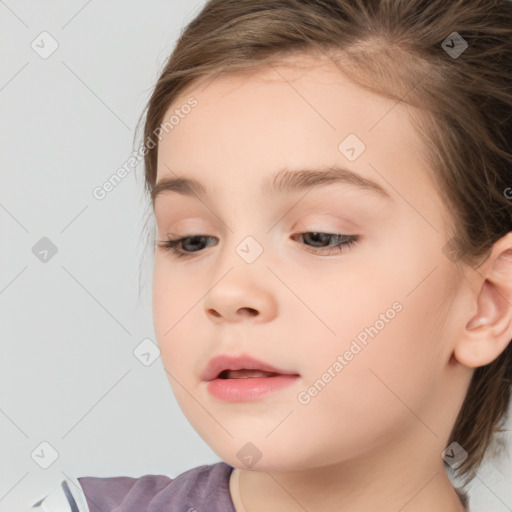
489 331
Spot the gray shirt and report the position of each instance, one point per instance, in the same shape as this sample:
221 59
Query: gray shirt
200 489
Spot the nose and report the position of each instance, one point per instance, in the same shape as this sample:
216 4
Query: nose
240 295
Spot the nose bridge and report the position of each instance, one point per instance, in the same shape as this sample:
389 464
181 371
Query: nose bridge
240 259
245 246
245 233
239 286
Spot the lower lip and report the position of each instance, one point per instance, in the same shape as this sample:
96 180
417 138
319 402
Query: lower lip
251 388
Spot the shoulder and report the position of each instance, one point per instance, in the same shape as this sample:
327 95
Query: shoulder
197 486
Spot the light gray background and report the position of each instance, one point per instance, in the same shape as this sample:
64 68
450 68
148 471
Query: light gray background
69 376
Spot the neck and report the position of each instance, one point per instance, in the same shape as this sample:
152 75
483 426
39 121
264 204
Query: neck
408 486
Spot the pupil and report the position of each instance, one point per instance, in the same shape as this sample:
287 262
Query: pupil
317 237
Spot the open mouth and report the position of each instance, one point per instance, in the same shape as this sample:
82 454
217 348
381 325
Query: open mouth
243 378
245 374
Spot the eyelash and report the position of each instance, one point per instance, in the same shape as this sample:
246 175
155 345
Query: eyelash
348 241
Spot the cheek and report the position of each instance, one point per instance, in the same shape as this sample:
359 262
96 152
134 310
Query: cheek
390 332
174 301
381 392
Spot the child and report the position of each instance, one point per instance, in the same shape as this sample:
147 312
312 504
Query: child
342 339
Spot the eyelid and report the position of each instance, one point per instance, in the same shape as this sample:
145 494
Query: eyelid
332 225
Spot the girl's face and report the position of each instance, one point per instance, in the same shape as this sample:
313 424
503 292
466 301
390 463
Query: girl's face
368 327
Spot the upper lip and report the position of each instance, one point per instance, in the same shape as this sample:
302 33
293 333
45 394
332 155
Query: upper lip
223 362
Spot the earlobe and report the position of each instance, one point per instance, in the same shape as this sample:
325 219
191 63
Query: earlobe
489 331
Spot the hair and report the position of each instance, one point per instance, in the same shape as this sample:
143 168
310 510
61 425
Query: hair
393 48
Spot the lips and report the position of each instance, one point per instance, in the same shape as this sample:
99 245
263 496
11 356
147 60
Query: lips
237 367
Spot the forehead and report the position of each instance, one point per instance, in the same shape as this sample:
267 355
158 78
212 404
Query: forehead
246 126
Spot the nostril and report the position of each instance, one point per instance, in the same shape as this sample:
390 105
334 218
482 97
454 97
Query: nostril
249 311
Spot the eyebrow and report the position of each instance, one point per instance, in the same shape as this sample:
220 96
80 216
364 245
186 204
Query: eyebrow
284 181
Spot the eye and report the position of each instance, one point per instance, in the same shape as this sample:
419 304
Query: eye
172 244
185 246
342 242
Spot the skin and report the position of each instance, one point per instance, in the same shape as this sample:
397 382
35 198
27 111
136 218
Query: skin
372 438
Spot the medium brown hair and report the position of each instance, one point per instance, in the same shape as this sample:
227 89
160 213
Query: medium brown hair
394 48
